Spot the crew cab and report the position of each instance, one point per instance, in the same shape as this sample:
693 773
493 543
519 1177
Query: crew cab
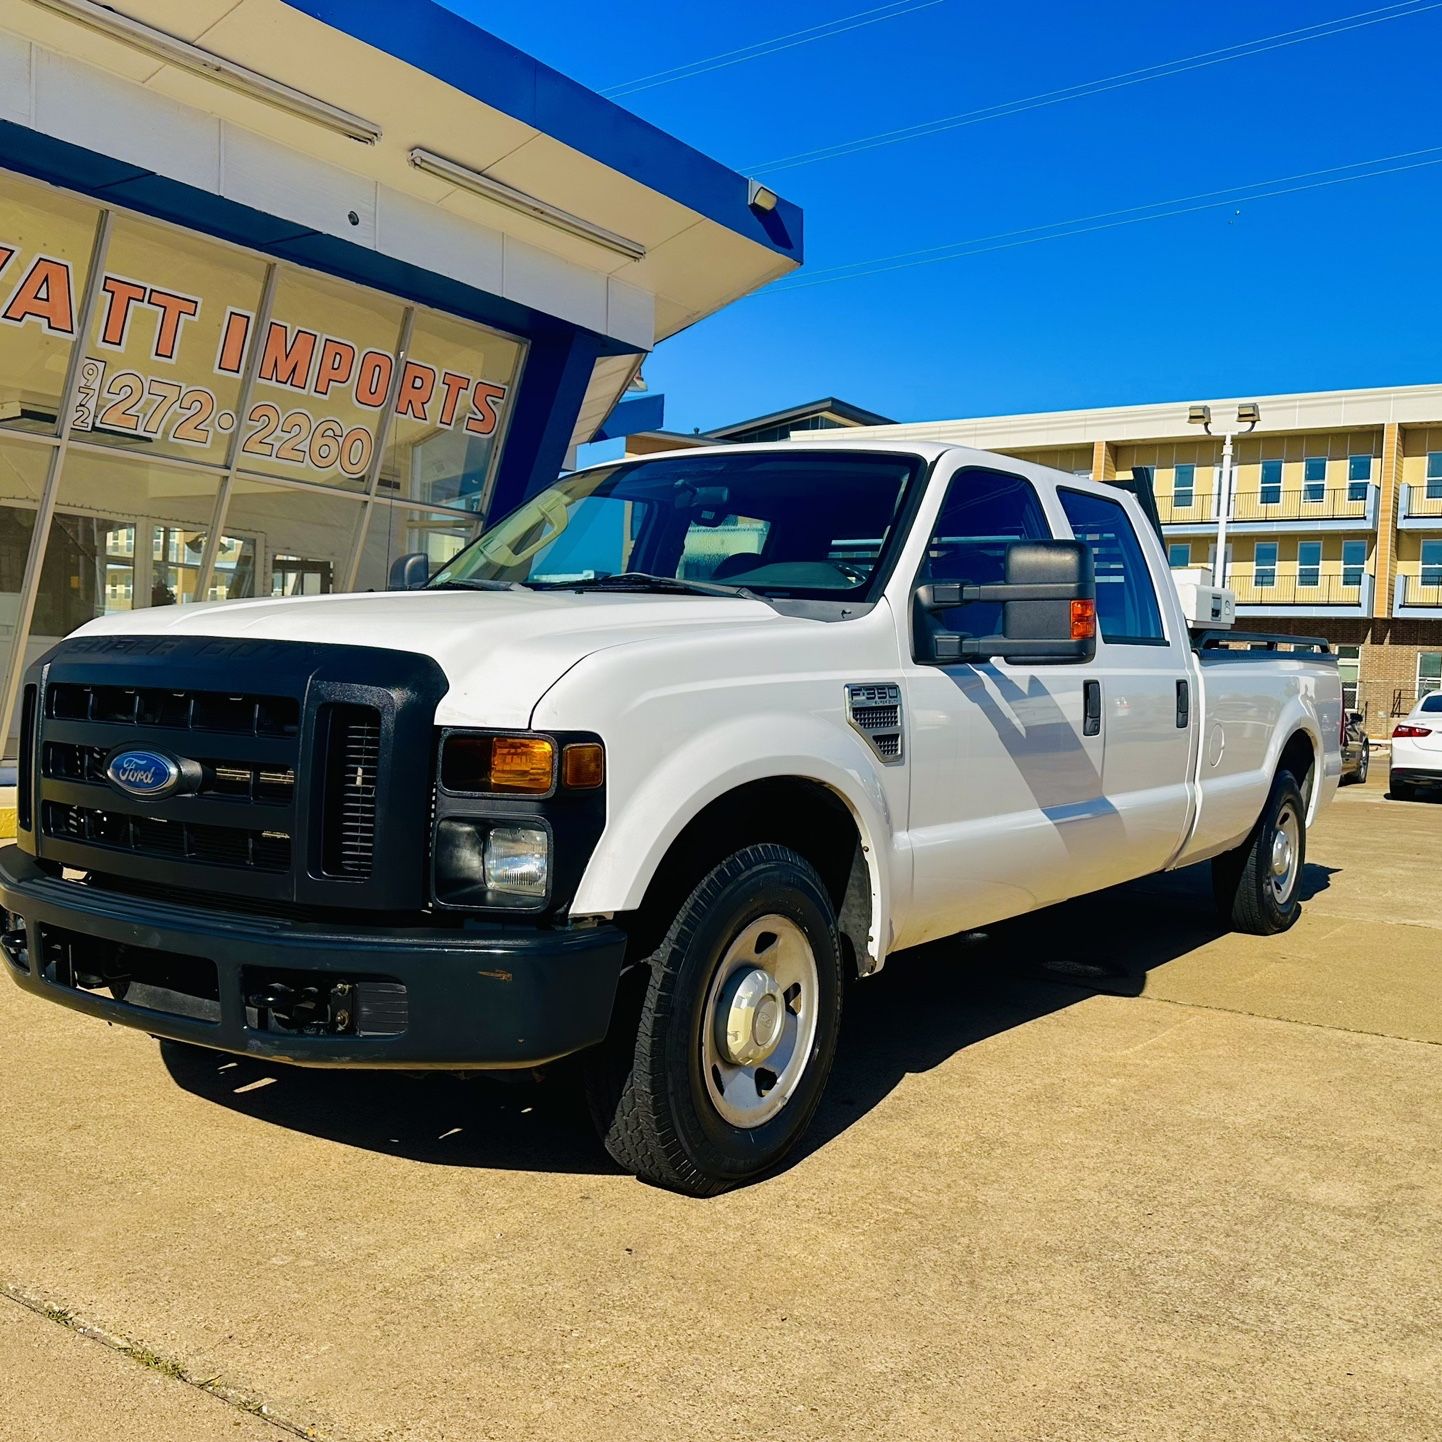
651 772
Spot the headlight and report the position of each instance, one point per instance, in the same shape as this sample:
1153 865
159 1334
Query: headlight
517 861
481 864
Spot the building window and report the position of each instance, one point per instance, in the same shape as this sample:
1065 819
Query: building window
1271 492
1314 479
1432 563
188 412
1264 565
1184 480
1359 477
1434 475
1127 609
1354 558
1429 672
1309 563
1179 553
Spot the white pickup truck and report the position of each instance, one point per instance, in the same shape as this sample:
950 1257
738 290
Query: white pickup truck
651 772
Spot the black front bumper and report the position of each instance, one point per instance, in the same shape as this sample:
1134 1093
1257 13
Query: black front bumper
472 998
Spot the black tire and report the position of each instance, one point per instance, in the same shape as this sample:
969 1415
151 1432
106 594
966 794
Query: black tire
1402 791
1366 765
648 1095
1250 895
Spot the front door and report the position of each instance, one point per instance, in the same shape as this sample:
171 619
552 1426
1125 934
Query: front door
1008 810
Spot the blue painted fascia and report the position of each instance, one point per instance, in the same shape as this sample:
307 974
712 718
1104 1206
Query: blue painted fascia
443 44
635 413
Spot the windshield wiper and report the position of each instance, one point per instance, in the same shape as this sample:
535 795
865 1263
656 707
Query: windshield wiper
645 581
474 585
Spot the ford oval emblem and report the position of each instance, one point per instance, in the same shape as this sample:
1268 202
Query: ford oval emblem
146 774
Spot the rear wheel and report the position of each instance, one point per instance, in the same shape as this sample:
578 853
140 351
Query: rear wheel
1366 764
737 1029
1256 885
1402 790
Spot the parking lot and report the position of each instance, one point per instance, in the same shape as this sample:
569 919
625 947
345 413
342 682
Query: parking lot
1105 1173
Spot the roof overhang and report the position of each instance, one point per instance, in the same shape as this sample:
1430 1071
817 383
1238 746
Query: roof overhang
427 80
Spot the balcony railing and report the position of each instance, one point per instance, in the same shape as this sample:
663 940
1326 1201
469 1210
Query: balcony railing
1332 503
1282 589
1423 590
1416 505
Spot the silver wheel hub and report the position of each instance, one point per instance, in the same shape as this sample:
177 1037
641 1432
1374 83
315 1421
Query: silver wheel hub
758 1024
1286 849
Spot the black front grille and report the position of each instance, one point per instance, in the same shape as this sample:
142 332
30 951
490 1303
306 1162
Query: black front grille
354 773
305 769
242 715
240 780
157 836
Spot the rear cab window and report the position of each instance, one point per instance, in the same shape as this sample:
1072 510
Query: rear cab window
1127 609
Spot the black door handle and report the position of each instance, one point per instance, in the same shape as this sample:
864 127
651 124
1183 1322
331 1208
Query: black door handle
1091 708
1184 704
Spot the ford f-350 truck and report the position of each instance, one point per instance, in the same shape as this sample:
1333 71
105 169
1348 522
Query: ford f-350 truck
651 772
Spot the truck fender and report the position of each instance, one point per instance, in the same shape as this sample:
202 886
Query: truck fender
671 791
1293 722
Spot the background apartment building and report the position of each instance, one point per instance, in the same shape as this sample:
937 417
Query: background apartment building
1336 518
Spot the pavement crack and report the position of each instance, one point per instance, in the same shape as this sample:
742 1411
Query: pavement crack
1289 1020
146 1357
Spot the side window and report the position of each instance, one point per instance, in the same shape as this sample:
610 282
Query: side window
982 512
1127 609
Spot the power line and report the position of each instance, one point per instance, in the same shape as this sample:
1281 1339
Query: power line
1111 220
1162 70
840 26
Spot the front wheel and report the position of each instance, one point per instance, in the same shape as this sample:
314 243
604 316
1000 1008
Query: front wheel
1257 885
737 1029
1366 764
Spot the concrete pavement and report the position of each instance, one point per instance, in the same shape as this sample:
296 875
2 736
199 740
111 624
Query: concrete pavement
1104 1174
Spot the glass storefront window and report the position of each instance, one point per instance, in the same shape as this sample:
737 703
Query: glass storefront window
283 541
398 531
456 392
46 240
153 376
22 476
326 364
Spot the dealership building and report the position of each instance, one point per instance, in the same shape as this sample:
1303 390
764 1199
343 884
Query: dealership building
1335 525
289 288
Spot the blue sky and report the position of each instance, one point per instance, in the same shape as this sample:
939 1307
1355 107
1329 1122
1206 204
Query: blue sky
1323 288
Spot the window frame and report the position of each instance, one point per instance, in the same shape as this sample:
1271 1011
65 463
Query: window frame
1426 684
1264 486
1269 585
1163 614
1356 482
1190 490
1432 483
1349 567
1314 488
1424 566
1309 573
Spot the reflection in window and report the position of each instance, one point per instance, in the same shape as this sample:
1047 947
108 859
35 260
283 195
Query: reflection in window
1432 563
456 394
1127 608
1264 565
1354 558
1309 563
1179 553
1434 475
1314 479
46 238
1359 474
1184 480
395 531
1271 492
283 541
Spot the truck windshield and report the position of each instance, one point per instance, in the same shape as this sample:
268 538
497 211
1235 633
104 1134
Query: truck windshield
814 525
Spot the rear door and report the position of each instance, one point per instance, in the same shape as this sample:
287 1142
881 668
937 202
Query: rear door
1148 711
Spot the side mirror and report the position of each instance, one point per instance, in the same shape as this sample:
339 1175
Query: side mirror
410 572
1048 602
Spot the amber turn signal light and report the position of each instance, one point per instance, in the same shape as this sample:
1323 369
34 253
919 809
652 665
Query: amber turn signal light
583 766
1083 620
516 765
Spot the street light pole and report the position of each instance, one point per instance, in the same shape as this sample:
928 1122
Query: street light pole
1248 414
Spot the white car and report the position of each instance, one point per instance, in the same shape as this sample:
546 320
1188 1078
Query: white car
1417 748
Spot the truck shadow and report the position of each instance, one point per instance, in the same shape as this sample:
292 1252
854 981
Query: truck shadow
927 1005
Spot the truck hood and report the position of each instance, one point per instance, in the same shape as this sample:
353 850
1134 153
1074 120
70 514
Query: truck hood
501 650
